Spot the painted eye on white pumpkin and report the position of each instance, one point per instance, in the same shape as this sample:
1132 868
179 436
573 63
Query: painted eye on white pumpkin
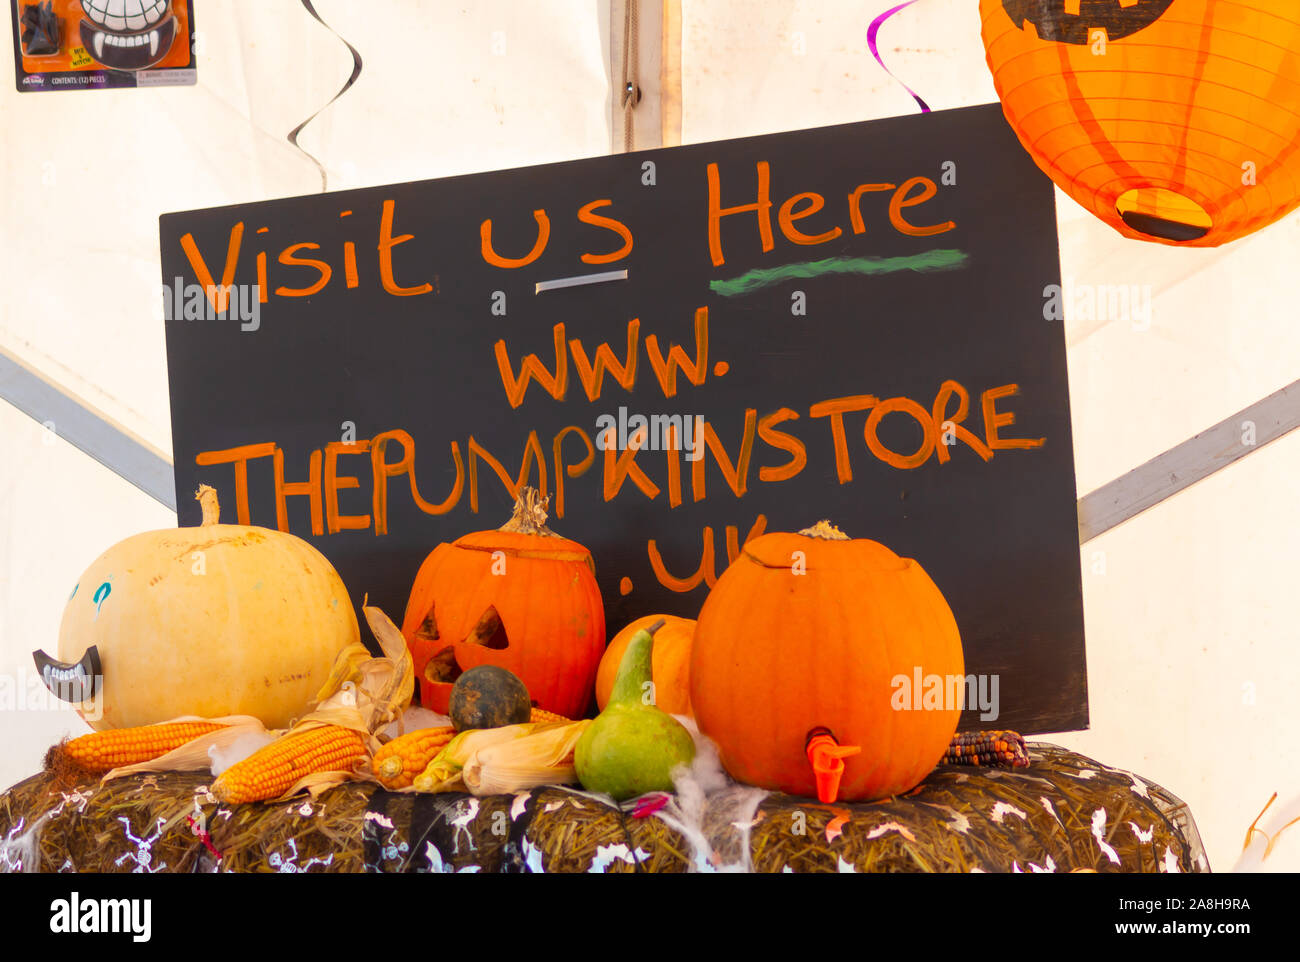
125 15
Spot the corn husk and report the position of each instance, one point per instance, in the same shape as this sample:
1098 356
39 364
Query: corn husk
443 774
347 667
387 682
366 694
544 757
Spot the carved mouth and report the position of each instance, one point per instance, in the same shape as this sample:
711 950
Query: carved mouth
127 49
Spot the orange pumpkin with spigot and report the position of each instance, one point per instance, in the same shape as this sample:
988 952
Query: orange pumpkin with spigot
798 659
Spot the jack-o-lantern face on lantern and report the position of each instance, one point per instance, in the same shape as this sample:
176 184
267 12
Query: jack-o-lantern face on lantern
1171 120
521 598
1075 21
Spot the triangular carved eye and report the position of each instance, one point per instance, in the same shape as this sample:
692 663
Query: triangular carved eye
428 630
489 632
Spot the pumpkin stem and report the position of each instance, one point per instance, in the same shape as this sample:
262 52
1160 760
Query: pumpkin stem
530 514
826 531
206 496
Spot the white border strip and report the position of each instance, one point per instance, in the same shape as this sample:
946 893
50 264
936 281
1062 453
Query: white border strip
75 421
1195 459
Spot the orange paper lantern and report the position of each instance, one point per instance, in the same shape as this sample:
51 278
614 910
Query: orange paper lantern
1175 121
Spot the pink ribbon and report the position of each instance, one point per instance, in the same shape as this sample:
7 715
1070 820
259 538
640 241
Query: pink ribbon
875 50
649 805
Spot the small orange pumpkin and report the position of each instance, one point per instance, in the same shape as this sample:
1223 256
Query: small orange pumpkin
521 598
812 631
670 663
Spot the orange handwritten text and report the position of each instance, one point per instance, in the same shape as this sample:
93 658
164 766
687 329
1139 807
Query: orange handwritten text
809 204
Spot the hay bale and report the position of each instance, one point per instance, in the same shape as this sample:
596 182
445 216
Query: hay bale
1063 813
304 834
571 831
128 825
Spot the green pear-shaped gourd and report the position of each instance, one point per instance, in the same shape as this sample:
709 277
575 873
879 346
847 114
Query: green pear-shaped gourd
632 746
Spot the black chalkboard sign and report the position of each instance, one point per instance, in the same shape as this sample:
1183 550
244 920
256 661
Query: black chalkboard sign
849 321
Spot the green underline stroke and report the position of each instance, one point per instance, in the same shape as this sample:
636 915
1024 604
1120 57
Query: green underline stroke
942 259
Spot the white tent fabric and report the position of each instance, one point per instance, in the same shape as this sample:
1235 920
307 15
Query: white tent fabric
1192 649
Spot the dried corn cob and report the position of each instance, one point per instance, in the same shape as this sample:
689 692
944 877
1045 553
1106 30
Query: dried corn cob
1001 748
401 761
541 715
398 762
106 750
447 764
271 771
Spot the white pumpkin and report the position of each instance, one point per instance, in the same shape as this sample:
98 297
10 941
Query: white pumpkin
221 619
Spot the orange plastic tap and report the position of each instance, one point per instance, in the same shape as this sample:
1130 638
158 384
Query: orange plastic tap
826 755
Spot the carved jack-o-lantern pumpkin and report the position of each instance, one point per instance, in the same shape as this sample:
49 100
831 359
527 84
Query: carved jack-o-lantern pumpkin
1174 121
521 598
